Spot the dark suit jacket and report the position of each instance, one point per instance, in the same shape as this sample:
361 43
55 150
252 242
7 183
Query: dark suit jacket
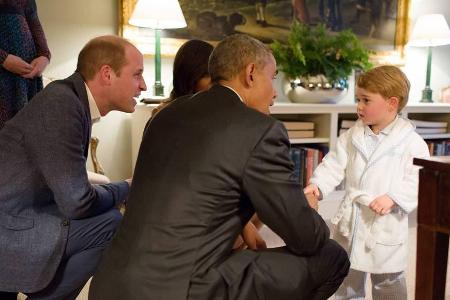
43 184
206 163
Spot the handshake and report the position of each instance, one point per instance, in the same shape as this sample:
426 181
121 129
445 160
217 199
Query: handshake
312 194
381 205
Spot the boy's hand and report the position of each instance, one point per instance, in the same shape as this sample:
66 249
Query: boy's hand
382 205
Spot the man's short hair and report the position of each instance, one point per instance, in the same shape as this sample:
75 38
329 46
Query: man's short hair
388 81
104 50
234 53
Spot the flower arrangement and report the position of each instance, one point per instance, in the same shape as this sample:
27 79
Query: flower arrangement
312 51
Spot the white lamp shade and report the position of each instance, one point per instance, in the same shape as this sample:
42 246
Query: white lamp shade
158 14
430 30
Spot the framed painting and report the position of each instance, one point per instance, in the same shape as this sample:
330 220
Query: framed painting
382 25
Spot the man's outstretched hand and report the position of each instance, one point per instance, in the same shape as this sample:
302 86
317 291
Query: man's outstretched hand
312 194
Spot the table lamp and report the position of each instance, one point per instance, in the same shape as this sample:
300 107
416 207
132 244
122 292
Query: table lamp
157 14
429 31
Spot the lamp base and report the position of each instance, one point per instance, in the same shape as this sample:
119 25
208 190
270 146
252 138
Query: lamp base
158 89
153 100
427 95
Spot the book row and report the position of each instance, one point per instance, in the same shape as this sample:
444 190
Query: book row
298 130
306 160
439 147
422 127
418 123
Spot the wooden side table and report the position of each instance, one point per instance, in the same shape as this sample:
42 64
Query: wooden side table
433 227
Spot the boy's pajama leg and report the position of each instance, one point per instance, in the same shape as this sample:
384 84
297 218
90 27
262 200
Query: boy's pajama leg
390 286
353 286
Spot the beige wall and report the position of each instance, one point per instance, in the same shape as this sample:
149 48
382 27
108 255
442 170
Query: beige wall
69 25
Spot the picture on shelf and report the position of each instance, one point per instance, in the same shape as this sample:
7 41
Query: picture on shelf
445 94
381 25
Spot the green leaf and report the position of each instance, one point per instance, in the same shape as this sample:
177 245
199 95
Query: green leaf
314 50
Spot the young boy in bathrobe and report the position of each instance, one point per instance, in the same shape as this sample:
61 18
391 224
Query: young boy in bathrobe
375 157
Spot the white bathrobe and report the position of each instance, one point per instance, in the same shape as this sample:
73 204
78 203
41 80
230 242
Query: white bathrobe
376 244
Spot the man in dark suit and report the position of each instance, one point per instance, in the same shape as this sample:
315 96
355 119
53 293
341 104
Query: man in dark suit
54 224
206 164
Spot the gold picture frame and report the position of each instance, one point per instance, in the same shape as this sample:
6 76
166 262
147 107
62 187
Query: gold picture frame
144 38
403 23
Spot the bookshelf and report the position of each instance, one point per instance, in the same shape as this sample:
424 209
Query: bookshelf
435 136
326 118
310 141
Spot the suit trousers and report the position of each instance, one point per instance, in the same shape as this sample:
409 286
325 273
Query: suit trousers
86 241
279 274
389 286
283 275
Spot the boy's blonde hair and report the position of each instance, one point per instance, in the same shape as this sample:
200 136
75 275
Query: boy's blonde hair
388 81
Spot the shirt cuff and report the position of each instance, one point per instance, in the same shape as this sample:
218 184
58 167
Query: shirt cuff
46 54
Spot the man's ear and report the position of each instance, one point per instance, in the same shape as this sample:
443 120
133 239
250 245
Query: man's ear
250 70
394 103
105 74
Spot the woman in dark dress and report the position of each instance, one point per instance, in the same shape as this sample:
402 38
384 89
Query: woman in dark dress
24 54
190 70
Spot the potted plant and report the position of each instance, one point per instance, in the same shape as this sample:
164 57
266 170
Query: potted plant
317 63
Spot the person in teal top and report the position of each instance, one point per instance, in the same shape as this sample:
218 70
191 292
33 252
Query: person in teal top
24 54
